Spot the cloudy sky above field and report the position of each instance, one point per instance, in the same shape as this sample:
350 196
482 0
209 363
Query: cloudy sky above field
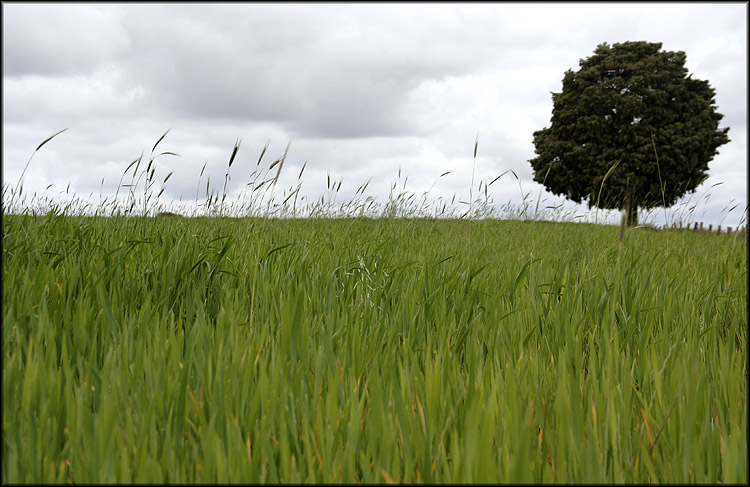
360 90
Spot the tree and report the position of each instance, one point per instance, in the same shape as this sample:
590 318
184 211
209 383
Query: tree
630 129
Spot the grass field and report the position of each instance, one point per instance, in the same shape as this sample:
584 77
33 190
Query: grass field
370 350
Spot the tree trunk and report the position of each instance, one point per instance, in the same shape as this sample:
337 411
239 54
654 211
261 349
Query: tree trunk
633 216
631 211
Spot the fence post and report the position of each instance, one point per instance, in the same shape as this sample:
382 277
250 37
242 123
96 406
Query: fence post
718 230
729 231
701 226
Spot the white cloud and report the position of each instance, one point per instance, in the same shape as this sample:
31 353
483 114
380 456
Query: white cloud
71 98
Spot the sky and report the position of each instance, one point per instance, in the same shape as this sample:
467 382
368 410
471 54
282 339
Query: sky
394 94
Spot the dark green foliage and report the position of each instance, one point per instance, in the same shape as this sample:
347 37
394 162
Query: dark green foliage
636 104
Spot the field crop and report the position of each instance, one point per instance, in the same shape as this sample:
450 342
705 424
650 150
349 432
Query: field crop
370 350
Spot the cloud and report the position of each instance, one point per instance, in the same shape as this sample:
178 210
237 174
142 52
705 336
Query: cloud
49 39
347 74
70 98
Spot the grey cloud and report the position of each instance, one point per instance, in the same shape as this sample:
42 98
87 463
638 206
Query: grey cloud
49 39
327 78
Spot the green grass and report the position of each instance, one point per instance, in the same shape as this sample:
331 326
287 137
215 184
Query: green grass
370 350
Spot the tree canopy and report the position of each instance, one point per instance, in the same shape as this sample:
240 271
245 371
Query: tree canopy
630 129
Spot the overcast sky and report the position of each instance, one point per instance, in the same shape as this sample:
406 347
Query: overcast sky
360 90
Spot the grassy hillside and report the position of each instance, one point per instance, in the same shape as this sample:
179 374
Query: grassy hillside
370 350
